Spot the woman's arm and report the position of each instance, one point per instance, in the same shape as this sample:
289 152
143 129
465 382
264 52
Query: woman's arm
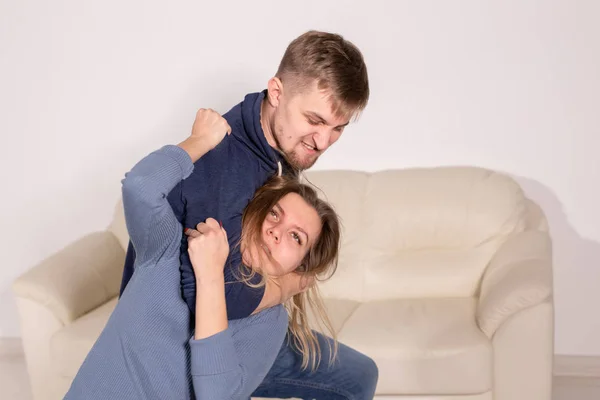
230 365
222 366
208 248
149 217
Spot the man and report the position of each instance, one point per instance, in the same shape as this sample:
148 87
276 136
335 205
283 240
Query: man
320 85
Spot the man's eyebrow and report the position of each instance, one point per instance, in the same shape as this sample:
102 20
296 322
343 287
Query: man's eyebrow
321 119
316 116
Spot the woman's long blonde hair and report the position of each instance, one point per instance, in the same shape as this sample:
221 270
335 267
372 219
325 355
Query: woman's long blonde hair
319 263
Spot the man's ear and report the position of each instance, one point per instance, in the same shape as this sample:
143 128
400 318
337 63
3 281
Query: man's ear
275 91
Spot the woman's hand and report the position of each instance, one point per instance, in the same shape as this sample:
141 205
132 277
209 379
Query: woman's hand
208 249
208 131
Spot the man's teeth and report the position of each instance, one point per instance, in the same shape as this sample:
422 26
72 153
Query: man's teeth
309 147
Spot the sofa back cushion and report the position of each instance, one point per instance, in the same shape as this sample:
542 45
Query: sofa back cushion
427 232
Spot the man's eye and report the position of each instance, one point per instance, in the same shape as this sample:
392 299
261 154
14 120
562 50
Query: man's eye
310 121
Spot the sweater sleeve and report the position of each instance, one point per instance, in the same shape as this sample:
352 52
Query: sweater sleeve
231 365
149 217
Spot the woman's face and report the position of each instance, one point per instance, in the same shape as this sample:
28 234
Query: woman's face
289 231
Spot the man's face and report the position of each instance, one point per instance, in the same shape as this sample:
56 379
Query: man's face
304 126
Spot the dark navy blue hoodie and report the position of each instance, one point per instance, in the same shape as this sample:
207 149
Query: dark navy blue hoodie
221 185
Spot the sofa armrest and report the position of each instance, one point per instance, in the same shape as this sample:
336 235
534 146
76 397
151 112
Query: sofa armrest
77 279
518 277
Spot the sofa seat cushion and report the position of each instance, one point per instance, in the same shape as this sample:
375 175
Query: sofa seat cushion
422 346
70 345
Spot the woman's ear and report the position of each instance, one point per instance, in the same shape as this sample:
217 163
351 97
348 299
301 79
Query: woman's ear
307 281
301 268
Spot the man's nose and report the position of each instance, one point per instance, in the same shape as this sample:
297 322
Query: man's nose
322 138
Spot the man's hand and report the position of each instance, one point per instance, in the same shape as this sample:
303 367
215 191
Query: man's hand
280 289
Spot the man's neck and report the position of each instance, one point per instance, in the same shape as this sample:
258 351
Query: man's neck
266 113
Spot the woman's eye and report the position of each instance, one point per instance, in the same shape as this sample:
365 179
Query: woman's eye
296 237
273 214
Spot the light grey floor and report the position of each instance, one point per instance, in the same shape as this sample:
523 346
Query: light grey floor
14 384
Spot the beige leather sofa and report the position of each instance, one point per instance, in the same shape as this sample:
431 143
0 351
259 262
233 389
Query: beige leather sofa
445 280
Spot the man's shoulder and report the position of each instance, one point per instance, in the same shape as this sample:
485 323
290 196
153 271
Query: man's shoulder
234 113
230 153
228 165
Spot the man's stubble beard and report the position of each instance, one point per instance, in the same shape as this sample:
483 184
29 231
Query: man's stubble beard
290 156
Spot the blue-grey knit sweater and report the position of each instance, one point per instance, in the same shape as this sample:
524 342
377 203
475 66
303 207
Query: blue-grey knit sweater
147 350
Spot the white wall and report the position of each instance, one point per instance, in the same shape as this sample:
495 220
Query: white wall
87 88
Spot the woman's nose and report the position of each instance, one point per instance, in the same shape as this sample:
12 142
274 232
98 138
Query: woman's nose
273 233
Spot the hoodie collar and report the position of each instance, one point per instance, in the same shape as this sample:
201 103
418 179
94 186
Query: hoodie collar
254 136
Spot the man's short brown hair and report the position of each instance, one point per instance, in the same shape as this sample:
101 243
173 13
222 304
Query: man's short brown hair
336 64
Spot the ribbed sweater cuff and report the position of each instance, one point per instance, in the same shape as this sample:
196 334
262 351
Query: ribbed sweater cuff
213 355
181 156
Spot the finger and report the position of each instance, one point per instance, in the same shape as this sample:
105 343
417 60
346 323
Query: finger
190 241
191 233
215 116
203 228
213 224
228 128
202 115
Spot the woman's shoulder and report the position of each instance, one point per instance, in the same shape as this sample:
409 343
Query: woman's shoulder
272 317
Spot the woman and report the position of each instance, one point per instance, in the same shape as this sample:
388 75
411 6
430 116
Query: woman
145 350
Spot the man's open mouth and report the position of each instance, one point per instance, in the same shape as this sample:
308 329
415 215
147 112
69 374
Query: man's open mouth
309 147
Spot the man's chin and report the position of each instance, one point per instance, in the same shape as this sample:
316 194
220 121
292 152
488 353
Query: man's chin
309 163
302 164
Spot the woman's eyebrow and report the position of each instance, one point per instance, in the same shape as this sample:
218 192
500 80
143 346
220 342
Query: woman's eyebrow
282 212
